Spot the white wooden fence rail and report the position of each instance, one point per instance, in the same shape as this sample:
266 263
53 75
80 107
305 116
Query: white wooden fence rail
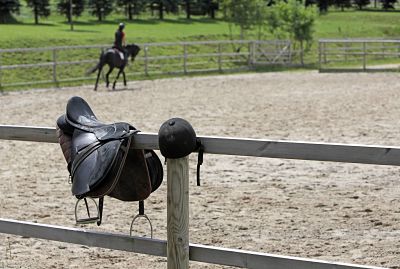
380 155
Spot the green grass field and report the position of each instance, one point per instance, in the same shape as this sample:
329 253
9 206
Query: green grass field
54 31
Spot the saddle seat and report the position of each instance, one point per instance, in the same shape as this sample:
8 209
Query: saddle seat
100 160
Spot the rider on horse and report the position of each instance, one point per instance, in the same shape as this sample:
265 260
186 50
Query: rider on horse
119 42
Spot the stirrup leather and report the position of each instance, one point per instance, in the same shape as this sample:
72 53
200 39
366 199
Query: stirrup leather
141 215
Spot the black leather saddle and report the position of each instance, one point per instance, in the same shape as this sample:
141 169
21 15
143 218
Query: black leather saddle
100 160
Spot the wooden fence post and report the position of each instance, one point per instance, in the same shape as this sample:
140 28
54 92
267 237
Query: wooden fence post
319 56
146 70
185 59
364 56
55 66
178 213
398 49
219 57
1 87
252 54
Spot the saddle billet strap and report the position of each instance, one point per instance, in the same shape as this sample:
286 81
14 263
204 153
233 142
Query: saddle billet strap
101 202
200 147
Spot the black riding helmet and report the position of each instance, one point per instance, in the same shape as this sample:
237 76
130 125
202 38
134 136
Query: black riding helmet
177 139
121 26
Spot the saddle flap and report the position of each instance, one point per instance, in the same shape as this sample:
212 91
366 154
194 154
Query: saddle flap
92 165
134 183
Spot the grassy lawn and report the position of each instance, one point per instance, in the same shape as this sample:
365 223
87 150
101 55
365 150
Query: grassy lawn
356 24
87 31
54 31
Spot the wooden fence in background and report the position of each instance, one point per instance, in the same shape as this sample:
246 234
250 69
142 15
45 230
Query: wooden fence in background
57 65
345 55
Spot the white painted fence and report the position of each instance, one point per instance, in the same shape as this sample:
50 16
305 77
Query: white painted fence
380 155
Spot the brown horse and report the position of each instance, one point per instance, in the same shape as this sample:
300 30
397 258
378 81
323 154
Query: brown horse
112 58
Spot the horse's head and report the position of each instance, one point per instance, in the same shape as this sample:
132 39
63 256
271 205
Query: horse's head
132 50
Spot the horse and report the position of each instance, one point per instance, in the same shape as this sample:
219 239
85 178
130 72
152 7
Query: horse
112 58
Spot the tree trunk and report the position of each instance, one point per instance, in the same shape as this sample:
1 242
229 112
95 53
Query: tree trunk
161 10
212 13
99 15
130 15
36 15
188 9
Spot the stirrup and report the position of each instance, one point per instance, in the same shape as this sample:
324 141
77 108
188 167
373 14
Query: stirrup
95 219
141 215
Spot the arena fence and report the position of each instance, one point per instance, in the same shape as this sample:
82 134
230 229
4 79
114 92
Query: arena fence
177 248
346 55
57 65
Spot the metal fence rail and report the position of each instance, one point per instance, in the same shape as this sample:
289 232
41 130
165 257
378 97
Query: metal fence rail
56 65
358 55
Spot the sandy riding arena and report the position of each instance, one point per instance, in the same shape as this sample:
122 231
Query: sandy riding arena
322 210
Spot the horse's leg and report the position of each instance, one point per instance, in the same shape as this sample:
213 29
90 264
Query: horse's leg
108 73
97 80
115 81
123 74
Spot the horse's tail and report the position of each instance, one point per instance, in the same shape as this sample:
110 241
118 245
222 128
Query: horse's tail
96 67
93 69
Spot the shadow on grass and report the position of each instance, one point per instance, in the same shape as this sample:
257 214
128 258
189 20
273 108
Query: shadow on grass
19 23
148 21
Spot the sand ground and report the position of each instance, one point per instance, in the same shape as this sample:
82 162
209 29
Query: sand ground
329 211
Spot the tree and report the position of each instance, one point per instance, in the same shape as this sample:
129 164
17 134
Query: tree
210 7
361 3
78 7
132 7
243 13
323 5
201 7
293 18
100 8
342 4
388 4
41 8
169 6
7 7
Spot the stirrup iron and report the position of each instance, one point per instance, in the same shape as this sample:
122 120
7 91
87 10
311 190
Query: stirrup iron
141 215
96 219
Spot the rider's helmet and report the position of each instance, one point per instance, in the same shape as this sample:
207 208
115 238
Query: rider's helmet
121 26
176 138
